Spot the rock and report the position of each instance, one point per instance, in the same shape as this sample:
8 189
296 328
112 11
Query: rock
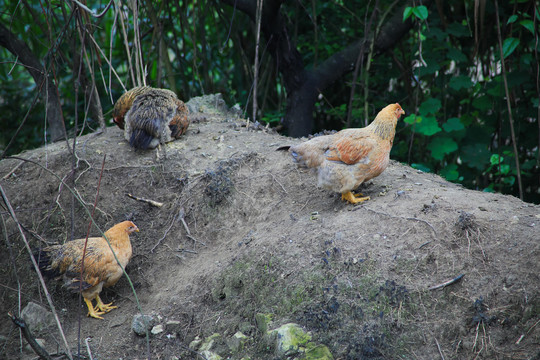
194 345
262 321
246 328
212 104
214 344
157 329
209 355
291 339
237 342
318 352
142 323
37 318
209 342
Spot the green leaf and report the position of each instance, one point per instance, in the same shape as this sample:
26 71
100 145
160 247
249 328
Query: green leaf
528 24
421 12
430 106
509 45
456 55
495 159
475 156
428 126
458 30
509 180
505 169
460 82
437 33
441 146
431 68
407 13
411 119
482 103
453 124
512 19
450 172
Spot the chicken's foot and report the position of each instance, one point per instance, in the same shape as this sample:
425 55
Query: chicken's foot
104 307
93 311
100 308
354 198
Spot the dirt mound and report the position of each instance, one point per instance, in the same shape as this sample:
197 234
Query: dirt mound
242 231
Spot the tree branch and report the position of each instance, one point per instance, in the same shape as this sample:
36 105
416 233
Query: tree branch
303 85
46 87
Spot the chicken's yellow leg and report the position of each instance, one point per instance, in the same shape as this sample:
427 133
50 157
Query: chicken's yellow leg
353 199
104 307
91 311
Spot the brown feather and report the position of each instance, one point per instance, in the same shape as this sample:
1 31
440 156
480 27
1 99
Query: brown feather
348 158
100 266
150 116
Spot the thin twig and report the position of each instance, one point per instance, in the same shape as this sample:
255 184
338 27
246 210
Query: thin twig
187 250
446 283
81 278
258 16
36 267
439 348
93 12
38 349
400 217
12 171
181 215
195 240
508 105
148 201
86 341
164 235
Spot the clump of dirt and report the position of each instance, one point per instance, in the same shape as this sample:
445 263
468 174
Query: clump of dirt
242 231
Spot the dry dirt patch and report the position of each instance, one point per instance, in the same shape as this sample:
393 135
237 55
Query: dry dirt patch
243 231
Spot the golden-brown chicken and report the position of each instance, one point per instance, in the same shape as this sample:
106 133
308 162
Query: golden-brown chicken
100 266
350 157
150 116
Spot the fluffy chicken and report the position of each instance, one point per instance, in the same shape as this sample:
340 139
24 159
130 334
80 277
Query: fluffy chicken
350 157
150 116
100 266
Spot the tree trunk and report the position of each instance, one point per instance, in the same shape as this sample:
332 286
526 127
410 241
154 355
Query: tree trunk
44 84
303 86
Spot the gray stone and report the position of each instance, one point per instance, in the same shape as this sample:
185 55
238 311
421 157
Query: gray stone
157 329
142 323
37 318
291 339
237 342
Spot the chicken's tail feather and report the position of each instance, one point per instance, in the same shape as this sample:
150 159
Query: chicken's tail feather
141 139
75 284
43 259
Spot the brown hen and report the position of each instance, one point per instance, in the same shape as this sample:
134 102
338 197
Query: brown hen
350 157
100 266
150 116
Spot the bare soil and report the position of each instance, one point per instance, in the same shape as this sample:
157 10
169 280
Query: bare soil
243 231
